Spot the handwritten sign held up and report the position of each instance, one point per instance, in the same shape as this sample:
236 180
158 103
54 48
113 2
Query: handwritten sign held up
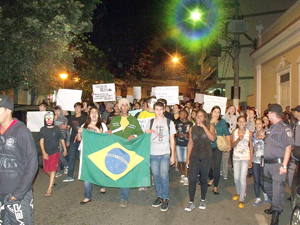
104 92
211 101
66 98
170 93
137 93
199 98
143 123
35 120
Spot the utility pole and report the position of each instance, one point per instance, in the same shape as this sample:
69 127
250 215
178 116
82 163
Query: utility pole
236 47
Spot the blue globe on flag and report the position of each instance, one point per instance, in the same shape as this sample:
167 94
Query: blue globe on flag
117 160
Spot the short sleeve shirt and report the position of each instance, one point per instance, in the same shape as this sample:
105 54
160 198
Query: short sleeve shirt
52 137
221 129
182 128
278 137
160 136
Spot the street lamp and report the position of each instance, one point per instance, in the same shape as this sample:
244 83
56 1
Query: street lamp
196 15
63 76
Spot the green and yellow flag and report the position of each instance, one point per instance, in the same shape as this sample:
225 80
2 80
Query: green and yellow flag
113 161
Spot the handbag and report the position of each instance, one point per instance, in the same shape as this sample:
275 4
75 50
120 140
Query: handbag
222 143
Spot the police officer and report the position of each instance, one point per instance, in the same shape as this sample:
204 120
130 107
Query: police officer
278 146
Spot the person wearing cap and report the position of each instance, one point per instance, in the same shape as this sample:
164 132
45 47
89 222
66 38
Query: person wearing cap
278 145
19 165
129 128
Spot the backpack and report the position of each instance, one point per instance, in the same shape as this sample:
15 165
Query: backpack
168 123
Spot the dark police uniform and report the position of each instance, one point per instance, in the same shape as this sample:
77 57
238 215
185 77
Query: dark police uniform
278 138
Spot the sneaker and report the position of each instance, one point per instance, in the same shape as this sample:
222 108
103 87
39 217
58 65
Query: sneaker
164 205
123 203
241 205
182 178
236 197
69 179
202 204
143 189
66 170
157 202
257 202
225 178
190 207
266 198
186 181
58 175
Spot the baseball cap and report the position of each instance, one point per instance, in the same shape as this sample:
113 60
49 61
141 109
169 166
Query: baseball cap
297 108
6 102
275 108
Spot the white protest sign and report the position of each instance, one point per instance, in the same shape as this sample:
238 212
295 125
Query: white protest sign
137 93
66 98
170 93
211 101
35 120
199 98
133 112
153 91
104 92
143 123
130 98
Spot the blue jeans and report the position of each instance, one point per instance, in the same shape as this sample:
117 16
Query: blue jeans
88 187
181 152
240 168
72 157
124 193
258 178
160 165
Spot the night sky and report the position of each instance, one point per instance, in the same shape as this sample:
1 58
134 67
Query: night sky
125 28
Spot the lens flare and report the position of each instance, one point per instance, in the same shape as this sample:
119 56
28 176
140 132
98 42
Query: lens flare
194 23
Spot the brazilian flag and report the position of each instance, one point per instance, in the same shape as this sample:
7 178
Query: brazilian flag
113 161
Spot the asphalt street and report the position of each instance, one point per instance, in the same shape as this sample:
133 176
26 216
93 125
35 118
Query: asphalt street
63 206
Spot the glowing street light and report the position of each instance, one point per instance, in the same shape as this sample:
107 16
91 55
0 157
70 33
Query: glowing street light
63 76
175 59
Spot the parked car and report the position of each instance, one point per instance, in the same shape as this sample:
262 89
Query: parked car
295 197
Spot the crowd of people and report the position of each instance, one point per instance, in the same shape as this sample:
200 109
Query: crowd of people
186 137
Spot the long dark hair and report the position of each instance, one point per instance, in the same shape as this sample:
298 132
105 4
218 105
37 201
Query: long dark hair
88 120
213 108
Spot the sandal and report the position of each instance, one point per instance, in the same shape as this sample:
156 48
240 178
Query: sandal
102 190
210 182
48 194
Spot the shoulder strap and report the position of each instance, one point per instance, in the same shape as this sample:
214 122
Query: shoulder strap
151 123
168 122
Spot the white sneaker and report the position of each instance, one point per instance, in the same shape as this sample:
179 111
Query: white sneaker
186 181
66 170
266 198
182 178
190 207
58 175
202 204
143 189
123 203
69 179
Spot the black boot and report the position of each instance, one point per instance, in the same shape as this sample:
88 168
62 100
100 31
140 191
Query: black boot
269 211
275 218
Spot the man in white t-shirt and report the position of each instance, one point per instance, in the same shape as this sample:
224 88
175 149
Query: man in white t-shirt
162 139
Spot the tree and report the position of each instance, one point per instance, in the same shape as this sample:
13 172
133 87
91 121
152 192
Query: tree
39 39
